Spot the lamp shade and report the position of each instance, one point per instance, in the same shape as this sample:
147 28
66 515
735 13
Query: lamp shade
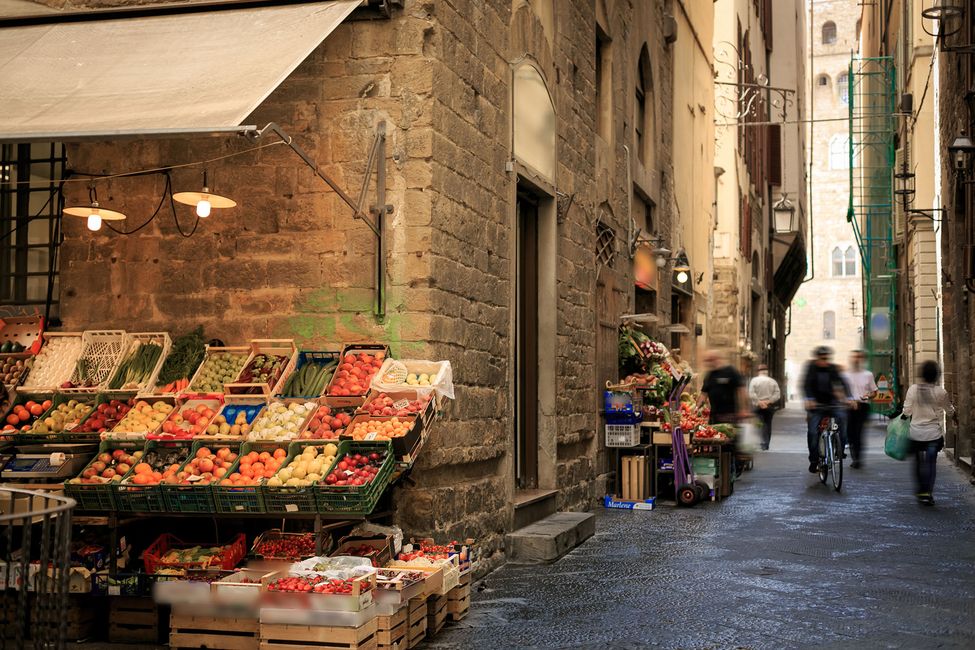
194 198
784 216
94 209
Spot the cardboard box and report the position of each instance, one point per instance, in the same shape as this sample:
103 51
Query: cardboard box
664 438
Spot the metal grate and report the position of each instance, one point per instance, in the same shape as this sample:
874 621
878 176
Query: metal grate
30 209
605 244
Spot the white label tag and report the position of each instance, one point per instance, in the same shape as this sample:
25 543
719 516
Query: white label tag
114 590
290 507
401 404
349 473
371 435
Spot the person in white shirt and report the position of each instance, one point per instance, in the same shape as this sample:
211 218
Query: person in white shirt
862 389
926 404
763 391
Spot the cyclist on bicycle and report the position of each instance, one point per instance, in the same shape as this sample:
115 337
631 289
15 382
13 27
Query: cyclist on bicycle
826 395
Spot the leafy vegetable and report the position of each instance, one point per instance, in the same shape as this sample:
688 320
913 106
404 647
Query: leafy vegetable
184 358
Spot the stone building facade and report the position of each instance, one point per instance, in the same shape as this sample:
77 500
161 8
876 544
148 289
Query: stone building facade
828 308
747 316
955 79
468 200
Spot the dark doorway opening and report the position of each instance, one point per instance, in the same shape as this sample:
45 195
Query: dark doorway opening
526 344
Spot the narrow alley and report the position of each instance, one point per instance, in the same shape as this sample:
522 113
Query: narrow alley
786 563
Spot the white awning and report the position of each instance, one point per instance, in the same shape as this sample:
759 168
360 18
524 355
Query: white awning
182 73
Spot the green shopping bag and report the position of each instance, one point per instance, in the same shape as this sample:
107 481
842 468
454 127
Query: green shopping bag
898 440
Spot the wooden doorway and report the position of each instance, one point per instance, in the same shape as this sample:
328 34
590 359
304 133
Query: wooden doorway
526 344
607 353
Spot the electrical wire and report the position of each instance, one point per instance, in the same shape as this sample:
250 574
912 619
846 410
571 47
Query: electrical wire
88 176
167 189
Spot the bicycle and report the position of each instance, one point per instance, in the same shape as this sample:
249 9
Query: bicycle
830 451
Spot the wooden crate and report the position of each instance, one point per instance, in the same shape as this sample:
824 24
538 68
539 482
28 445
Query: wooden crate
133 620
417 621
224 633
82 614
459 602
436 613
324 637
392 630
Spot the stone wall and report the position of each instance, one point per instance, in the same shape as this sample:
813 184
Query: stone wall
957 73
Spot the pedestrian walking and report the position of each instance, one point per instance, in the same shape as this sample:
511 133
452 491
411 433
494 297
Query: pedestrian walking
764 393
927 403
863 387
724 388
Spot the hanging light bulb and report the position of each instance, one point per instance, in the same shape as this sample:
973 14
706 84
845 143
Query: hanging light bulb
94 214
203 208
682 277
204 200
94 221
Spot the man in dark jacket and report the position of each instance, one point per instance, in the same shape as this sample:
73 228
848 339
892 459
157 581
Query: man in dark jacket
826 394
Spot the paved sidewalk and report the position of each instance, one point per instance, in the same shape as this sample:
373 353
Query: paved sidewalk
784 563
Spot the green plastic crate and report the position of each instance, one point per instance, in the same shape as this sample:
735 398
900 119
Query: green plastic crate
292 499
98 497
145 498
249 499
192 498
356 500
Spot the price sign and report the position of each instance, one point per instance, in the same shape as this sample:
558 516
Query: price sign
401 404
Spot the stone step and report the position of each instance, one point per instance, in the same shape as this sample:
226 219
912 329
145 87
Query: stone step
549 539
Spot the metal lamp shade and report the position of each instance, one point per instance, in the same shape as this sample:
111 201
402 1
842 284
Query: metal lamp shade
192 198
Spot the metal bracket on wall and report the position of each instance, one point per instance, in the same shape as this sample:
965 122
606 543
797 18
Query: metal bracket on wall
377 224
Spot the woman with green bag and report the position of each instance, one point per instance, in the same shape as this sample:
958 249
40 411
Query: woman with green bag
926 403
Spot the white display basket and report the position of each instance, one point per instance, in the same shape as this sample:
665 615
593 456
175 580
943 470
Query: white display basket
440 373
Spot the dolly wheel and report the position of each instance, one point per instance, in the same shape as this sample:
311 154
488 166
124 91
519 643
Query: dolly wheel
705 490
687 495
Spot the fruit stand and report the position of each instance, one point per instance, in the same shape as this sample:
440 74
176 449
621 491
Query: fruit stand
203 474
643 413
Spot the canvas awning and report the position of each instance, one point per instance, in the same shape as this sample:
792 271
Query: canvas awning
181 73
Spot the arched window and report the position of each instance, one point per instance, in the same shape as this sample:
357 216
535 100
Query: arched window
843 85
850 261
844 261
645 119
829 325
829 32
822 80
839 152
533 121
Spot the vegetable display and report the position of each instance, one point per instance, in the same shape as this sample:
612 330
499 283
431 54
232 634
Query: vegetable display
219 369
158 466
355 469
381 428
184 358
383 404
144 417
192 420
281 421
206 467
55 363
62 417
262 369
312 584
137 367
254 467
108 467
287 547
309 380
11 370
306 468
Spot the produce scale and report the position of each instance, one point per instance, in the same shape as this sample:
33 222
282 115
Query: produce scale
229 488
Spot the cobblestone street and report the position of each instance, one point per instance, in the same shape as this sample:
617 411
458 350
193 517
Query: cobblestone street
784 563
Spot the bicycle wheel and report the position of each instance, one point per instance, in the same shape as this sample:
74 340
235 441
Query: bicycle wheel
824 458
837 458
